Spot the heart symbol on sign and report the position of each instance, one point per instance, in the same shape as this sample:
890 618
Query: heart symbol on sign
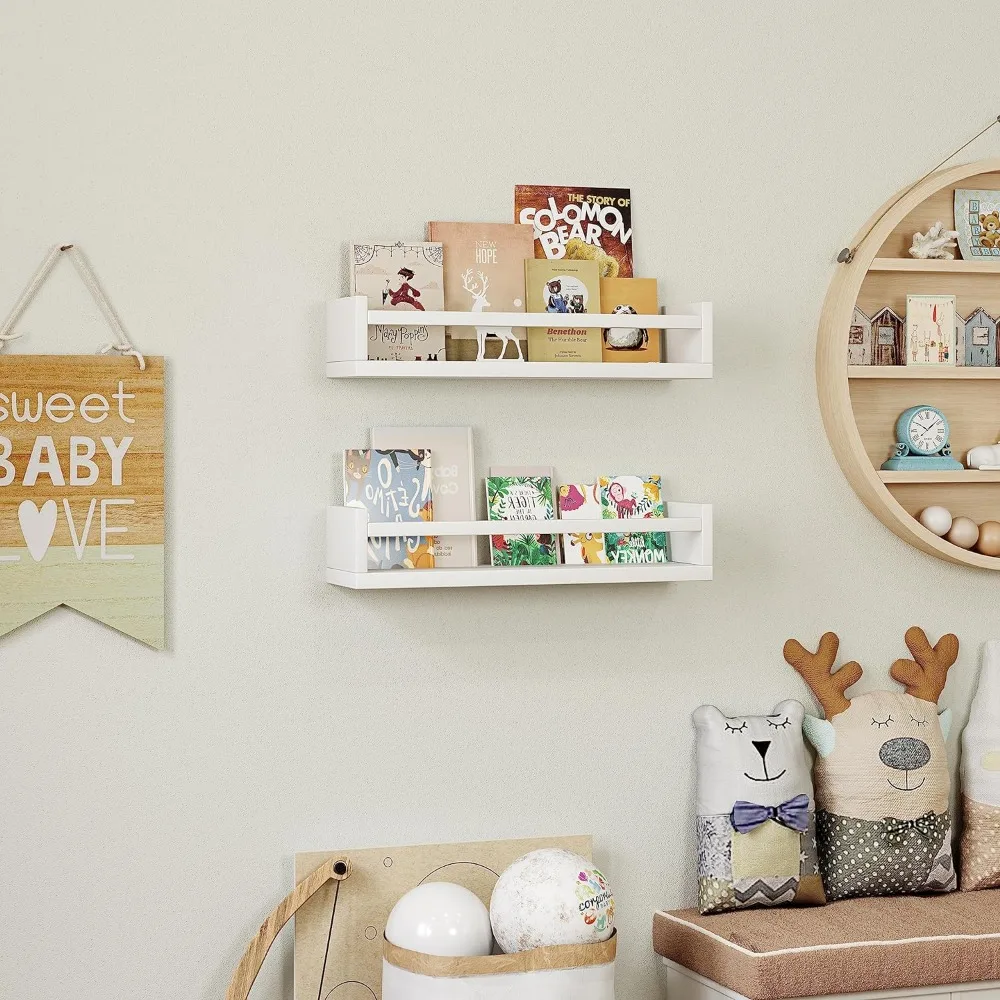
37 526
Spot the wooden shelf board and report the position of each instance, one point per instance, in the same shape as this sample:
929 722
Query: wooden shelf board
517 576
917 372
966 476
516 369
988 266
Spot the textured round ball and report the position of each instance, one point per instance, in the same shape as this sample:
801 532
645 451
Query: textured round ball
549 897
989 538
441 918
964 532
936 519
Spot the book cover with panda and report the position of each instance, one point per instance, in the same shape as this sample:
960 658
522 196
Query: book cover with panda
630 296
579 223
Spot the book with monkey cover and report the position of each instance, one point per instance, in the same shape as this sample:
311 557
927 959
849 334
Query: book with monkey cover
579 223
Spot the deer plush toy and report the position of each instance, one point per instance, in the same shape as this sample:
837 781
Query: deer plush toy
881 773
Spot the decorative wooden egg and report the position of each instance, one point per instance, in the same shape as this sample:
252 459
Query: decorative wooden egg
549 897
936 519
864 381
964 532
989 538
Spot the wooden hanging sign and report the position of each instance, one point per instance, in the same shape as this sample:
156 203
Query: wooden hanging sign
81 490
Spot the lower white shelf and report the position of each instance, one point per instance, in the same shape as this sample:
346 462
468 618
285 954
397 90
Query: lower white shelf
348 531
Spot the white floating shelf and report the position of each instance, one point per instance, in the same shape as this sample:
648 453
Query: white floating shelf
688 344
348 530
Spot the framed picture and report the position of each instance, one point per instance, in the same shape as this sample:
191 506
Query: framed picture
977 221
930 330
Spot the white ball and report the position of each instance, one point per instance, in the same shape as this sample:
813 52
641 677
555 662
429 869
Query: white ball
964 532
936 519
441 918
551 897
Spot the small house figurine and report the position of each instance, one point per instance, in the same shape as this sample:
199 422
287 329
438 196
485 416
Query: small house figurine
859 339
981 340
888 341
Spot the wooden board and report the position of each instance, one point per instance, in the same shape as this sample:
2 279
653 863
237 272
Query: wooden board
95 524
379 877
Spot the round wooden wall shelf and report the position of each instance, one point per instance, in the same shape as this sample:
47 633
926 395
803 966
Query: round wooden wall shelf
860 404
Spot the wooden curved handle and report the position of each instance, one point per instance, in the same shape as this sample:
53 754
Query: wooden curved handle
253 958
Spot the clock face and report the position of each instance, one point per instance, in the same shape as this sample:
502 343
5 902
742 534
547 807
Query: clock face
926 431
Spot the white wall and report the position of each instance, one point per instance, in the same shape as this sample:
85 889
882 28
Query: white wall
213 159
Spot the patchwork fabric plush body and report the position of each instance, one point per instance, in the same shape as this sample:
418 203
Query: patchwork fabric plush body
980 847
756 814
881 772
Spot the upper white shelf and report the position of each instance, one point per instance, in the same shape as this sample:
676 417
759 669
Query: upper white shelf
989 265
688 344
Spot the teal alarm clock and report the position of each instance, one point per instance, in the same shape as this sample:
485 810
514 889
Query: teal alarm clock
922 442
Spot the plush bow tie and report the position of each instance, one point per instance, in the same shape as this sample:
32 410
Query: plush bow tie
897 829
794 814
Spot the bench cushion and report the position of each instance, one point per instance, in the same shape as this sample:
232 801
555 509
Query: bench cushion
852 946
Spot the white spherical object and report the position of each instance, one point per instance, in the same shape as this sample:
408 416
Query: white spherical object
964 532
936 519
549 897
441 918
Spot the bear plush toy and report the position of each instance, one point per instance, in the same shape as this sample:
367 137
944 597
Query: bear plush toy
881 772
756 815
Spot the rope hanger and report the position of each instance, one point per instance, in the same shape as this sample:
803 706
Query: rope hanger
122 345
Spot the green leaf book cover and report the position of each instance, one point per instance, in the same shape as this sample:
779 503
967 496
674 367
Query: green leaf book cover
628 497
521 495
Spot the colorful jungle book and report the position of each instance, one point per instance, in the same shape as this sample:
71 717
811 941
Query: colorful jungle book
453 489
628 297
579 223
581 502
628 497
392 486
485 273
404 277
521 494
563 287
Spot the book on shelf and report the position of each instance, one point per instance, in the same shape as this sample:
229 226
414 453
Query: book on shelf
579 223
563 287
634 497
484 272
452 485
404 277
628 296
392 485
581 502
521 493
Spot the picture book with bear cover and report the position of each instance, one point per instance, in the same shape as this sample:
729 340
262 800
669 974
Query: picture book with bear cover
628 497
407 277
563 287
624 297
579 223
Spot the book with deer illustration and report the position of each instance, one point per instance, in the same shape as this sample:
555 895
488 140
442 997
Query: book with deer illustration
563 287
453 489
408 277
628 296
392 485
521 493
629 497
579 223
581 502
484 272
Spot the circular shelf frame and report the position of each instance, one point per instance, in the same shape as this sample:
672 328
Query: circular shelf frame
832 376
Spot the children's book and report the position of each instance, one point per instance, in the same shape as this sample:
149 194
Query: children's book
404 277
521 493
628 296
630 497
581 502
484 273
452 486
566 287
392 486
579 223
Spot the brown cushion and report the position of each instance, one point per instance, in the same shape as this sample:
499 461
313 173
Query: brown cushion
853 946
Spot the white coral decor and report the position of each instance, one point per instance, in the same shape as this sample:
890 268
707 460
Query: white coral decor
937 244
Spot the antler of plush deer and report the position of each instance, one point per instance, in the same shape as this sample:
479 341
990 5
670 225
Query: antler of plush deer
926 674
817 671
